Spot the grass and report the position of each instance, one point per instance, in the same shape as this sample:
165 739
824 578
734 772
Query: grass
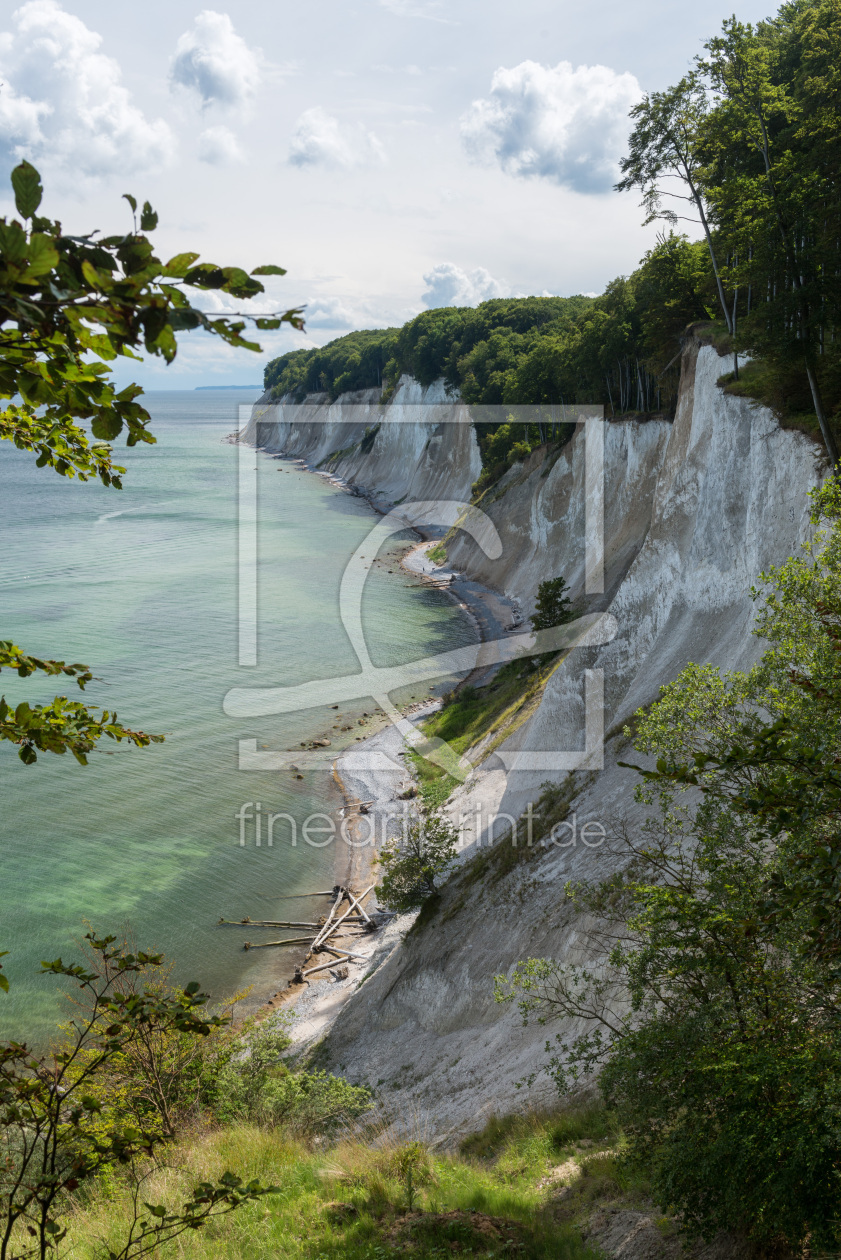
527 1142
472 715
781 387
784 395
494 1197
434 784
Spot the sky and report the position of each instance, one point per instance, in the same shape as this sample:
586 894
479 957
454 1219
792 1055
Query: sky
392 155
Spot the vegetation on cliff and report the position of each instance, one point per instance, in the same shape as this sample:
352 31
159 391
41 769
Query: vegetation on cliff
615 349
715 1018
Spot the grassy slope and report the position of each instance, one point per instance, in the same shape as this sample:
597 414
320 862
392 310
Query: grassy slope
504 1193
782 390
484 715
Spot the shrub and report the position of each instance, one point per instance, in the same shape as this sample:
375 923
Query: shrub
258 1086
428 849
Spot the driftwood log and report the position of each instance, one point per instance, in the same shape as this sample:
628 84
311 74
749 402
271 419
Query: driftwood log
281 923
293 940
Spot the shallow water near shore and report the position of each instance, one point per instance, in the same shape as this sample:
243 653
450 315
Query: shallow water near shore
141 585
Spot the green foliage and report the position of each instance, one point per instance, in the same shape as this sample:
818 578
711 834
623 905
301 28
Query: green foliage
349 1200
69 306
716 1018
162 1079
256 1085
434 783
411 866
165 1080
356 361
502 445
615 350
412 1166
751 139
553 606
62 725
530 1142
481 344
52 1139
473 714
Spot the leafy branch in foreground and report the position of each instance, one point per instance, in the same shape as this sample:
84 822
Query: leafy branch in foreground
55 1134
157 1225
62 725
70 305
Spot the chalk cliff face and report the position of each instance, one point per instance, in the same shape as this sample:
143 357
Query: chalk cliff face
694 511
421 446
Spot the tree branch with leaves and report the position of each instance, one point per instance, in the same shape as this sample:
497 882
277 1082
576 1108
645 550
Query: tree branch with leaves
50 1141
69 307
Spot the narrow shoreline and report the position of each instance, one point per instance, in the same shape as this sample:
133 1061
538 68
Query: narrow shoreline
317 1002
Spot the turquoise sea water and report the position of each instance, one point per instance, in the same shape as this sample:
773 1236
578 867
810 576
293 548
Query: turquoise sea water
141 585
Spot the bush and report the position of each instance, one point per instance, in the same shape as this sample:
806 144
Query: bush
259 1086
429 848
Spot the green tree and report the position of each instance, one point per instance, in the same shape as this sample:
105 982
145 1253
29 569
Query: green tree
663 161
761 162
411 867
70 306
553 607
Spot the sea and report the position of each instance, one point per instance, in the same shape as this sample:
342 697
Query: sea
141 585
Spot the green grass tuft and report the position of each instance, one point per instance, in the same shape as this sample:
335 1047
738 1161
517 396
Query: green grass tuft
349 1202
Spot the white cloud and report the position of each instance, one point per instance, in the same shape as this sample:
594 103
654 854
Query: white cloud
568 125
216 63
62 102
429 9
412 70
448 285
219 147
320 139
334 313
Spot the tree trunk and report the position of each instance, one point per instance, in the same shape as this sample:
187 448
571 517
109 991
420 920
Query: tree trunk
735 351
700 207
797 284
826 431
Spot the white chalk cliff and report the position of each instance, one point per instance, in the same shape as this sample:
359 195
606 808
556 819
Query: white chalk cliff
695 510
